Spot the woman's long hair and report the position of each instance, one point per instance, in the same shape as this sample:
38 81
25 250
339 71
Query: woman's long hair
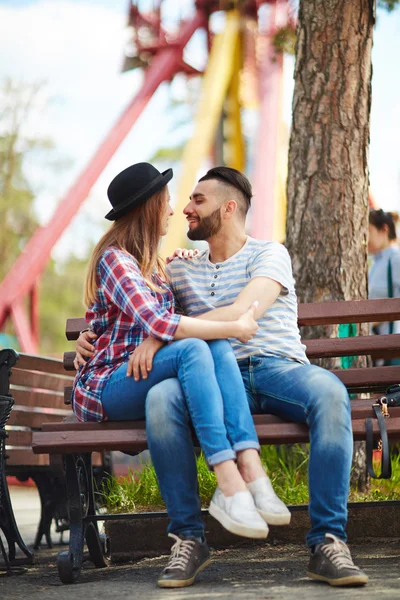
138 233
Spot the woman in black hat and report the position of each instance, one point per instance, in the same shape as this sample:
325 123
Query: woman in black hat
129 300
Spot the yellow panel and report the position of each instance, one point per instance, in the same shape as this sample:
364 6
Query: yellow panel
216 81
234 150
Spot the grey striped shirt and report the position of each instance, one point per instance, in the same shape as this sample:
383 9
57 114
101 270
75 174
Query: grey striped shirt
200 285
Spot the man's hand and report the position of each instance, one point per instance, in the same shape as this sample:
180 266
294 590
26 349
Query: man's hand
141 359
248 326
182 253
84 348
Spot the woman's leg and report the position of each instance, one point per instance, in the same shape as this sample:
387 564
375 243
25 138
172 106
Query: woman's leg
237 415
191 362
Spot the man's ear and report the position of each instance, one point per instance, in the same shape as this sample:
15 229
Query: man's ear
230 208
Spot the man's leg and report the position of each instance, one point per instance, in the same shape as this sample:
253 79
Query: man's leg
171 448
172 452
309 394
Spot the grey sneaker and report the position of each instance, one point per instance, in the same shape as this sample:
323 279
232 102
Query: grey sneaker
188 558
331 562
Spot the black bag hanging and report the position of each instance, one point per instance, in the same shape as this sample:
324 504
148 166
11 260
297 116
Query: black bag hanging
381 411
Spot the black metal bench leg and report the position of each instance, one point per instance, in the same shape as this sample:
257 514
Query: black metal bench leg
52 494
69 562
98 544
5 557
7 519
44 485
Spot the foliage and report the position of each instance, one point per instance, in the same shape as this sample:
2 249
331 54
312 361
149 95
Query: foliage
16 194
60 297
390 5
286 465
60 288
284 40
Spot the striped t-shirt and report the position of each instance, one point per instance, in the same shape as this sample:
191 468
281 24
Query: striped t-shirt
200 285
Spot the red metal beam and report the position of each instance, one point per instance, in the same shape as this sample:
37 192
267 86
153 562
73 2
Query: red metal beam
34 312
22 327
267 143
22 276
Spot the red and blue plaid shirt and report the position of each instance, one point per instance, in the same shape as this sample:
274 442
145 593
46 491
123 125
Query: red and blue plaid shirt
125 313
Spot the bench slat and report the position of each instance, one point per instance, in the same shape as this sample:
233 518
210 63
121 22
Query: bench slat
357 380
40 363
74 327
368 379
316 313
38 399
18 438
377 346
361 408
270 431
25 458
350 311
24 416
34 379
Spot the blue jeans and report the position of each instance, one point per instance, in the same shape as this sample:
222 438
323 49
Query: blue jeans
300 393
214 392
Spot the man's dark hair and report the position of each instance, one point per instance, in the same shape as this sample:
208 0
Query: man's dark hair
233 178
380 218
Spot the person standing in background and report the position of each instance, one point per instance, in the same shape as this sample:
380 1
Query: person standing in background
384 274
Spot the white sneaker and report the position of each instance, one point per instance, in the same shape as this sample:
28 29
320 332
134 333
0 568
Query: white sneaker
270 507
238 514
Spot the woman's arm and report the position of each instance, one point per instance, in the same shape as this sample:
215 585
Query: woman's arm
243 328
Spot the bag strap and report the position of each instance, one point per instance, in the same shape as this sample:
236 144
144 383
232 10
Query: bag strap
386 465
390 289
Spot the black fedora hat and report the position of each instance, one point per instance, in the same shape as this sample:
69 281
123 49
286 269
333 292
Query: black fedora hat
133 186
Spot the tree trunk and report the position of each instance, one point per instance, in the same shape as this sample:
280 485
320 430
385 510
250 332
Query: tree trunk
327 216
328 156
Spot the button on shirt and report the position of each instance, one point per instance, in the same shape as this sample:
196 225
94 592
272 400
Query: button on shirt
125 313
278 333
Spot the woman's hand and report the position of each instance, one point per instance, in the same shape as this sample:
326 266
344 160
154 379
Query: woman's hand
182 253
141 359
84 348
247 325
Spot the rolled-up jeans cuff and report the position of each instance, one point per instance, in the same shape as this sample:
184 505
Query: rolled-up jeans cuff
220 457
246 445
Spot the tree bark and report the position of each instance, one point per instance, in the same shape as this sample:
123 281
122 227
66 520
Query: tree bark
327 189
328 156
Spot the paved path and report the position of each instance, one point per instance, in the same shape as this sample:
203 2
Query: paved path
270 572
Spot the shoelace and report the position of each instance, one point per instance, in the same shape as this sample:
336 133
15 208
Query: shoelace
180 553
338 553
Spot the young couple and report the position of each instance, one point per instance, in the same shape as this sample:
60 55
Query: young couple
239 289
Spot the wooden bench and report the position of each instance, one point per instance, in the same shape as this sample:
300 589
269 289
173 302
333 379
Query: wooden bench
37 387
76 441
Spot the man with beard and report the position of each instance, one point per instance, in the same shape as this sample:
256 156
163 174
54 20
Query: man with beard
220 283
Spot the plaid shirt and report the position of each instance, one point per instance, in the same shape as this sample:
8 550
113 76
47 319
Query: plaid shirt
125 313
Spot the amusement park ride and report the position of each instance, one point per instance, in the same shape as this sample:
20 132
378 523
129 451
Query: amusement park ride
242 60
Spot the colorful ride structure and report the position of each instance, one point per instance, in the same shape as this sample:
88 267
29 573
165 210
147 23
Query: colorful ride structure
242 65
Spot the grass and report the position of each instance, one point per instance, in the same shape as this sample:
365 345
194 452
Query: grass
286 466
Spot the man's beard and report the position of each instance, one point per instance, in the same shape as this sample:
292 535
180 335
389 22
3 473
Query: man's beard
207 227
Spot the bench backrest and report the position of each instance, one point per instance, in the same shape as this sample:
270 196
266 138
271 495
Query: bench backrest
37 386
330 313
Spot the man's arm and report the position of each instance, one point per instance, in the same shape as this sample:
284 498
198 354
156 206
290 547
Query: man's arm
261 289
